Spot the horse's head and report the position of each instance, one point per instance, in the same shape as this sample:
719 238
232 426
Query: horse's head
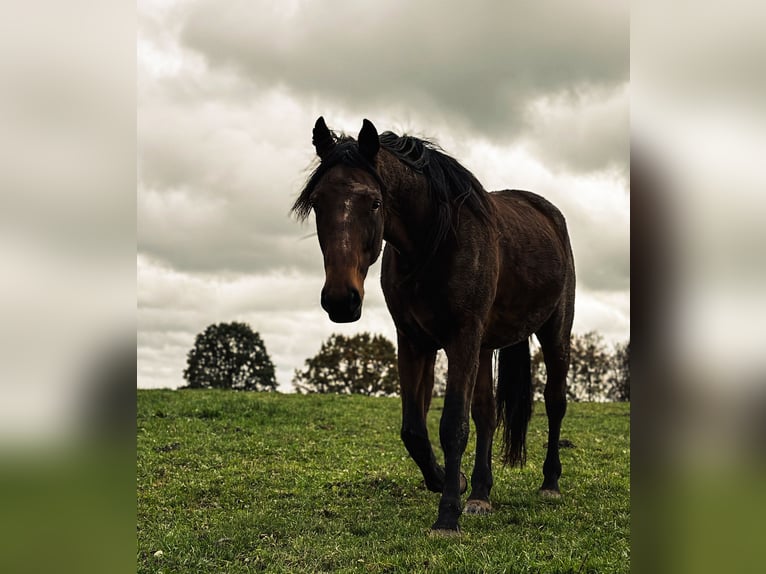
347 200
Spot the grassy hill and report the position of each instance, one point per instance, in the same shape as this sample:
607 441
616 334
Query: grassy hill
250 482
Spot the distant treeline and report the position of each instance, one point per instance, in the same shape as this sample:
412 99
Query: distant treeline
233 356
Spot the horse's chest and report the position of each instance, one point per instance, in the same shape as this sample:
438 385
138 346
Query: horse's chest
419 313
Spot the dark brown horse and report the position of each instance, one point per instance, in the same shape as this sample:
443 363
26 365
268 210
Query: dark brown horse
464 270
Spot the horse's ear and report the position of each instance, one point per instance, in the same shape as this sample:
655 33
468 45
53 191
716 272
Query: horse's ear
369 142
323 140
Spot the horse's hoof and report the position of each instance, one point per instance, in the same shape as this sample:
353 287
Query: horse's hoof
477 507
444 532
550 494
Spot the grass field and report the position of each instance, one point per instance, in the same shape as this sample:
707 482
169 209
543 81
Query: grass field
252 482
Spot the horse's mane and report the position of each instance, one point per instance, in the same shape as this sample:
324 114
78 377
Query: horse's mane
451 186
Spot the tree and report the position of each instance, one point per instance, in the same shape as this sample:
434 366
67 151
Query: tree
539 374
589 367
361 364
619 379
230 356
441 366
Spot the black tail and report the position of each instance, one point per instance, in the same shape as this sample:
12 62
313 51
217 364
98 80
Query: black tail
514 400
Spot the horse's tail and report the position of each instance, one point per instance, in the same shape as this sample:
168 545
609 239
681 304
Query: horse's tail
514 400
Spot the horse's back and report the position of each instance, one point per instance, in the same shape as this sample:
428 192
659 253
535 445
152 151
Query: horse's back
513 199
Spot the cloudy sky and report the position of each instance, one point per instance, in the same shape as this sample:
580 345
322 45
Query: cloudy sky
526 95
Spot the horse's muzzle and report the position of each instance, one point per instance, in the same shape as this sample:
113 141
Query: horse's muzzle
344 306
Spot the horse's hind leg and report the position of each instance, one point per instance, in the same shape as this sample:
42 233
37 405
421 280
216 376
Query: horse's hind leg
554 340
484 417
416 376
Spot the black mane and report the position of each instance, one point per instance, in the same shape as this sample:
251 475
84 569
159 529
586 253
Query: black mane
451 186
448 181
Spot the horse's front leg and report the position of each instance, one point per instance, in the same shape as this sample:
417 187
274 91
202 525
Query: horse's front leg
416 379
463 357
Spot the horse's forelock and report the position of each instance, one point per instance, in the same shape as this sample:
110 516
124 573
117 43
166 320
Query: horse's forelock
346 152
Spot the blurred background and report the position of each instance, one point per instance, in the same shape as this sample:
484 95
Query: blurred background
697 254
68 231
67 286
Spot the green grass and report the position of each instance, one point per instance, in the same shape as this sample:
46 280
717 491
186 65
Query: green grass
251 482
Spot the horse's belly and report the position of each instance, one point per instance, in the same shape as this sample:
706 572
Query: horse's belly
509 324
497 337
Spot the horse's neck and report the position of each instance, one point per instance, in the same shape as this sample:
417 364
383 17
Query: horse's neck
408 217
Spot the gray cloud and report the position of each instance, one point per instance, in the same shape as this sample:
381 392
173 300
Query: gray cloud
477 66
583 131
602 261
217 182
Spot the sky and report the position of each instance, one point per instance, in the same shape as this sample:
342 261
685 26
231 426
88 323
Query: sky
526 95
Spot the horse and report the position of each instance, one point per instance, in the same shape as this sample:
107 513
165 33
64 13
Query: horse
463 270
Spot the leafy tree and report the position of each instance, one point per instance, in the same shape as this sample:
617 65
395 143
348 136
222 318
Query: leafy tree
361 364
595 373
440 374
619 389
539 375
230 356
589 367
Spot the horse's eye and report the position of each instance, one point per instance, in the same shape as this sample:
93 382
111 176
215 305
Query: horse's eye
376 205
